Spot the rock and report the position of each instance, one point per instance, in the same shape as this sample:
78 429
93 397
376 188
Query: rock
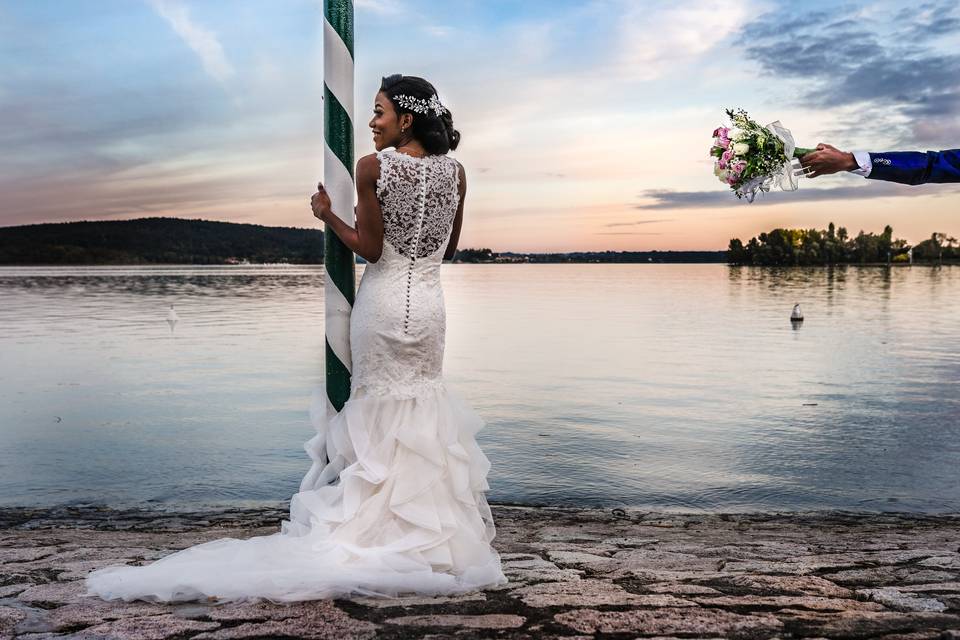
570 534
814 603
649 574
25 554
896 599
13 589
867 624
483 621
936 587
591 593
881 576
681 588
671 622
524 576
780 585
414 601
630 541
942 562
143 628
53 593
581 558
9 618
94 611
528 563
653 560
310 620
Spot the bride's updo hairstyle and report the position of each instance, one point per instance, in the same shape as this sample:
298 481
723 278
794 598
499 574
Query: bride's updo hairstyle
435 133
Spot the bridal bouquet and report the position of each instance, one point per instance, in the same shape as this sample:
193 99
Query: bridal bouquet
751 157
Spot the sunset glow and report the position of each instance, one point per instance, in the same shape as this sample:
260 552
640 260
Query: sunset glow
585 125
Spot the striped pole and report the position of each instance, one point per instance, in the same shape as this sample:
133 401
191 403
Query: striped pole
338 180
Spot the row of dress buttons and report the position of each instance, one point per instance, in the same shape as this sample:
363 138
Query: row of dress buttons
406 319
416 238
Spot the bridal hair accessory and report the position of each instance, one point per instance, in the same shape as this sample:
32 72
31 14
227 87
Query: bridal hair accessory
420 105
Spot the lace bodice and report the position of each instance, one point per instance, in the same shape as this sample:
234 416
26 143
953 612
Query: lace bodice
419 199
398 322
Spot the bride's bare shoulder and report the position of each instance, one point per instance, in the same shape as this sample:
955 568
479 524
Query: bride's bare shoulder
370 159
368 169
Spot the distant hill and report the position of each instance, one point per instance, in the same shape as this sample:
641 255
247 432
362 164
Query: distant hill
180 241
157 241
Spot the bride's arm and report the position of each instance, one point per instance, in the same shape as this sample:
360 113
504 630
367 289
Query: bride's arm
458 220
366 238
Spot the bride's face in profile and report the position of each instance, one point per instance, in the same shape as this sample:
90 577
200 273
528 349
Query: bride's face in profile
385 124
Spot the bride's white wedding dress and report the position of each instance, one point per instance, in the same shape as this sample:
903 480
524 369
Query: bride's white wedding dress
394 501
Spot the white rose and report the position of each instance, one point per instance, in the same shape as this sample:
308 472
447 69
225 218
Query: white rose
723 174
741 148
737 134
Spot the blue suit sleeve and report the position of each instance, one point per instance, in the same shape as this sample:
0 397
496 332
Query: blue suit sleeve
913 167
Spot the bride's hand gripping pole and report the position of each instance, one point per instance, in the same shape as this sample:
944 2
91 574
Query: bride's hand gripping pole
338 179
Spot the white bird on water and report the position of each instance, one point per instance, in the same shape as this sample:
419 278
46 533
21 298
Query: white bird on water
796 315
172 318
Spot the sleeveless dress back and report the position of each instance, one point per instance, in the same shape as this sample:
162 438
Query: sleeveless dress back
394 500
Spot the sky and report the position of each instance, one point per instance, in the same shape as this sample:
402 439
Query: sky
585 124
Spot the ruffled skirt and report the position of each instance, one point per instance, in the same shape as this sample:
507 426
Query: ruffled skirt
393 504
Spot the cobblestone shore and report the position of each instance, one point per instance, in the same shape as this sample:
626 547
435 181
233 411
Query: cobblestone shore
574 573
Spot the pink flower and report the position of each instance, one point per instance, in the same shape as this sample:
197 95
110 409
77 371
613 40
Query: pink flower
740 166
733 179
727 156
721 137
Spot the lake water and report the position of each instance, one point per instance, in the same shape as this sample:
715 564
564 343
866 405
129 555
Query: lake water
669 387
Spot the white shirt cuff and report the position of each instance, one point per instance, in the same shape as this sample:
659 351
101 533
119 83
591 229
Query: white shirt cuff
866 165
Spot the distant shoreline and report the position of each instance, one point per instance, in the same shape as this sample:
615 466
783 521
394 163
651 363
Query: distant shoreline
166 241
176 241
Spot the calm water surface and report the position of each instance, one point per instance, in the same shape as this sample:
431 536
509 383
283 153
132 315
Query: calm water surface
670 387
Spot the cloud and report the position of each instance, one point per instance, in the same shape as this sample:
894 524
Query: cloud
202 41
627 233
669 199
888 73
635 222
656 36
439 30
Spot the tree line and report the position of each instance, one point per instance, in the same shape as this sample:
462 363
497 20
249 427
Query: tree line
157 241
836 246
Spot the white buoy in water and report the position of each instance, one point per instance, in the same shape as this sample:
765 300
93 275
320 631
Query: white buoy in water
172 318
796 315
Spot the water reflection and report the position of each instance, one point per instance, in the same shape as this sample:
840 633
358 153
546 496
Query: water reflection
664 386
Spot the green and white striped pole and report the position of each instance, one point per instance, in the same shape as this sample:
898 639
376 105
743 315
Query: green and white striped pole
338 260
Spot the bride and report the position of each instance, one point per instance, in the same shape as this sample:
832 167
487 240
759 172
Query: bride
394 500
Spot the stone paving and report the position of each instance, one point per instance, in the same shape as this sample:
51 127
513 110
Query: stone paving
574 573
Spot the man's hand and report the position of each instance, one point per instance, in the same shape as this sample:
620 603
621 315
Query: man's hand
827 159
